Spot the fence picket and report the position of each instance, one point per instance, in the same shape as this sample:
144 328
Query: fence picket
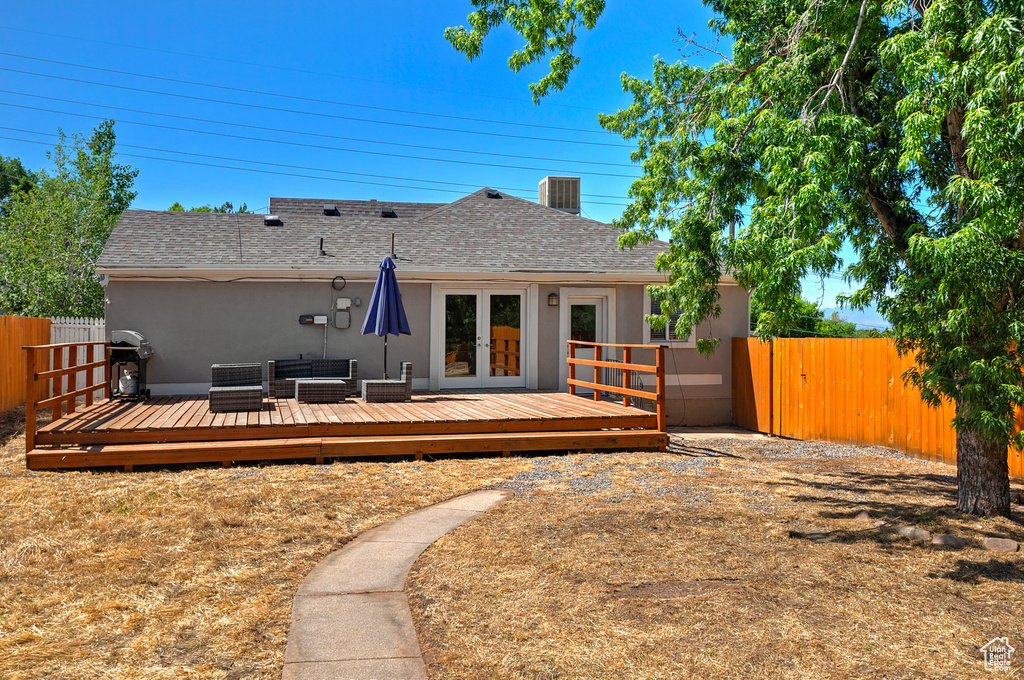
64 329
17 332
845 391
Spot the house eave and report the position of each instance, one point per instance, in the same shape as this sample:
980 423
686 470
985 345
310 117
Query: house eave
299 273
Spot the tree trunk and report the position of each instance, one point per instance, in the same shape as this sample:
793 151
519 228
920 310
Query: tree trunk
982 475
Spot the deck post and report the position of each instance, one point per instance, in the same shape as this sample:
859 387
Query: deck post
660 365
56 382
90 354
597 373
572 367
72 378
106 372
627 375
31 396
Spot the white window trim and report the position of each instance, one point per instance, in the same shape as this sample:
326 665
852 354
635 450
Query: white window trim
678 344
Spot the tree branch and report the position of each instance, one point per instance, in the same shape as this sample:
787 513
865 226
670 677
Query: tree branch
750 124
921 5
888 218
836 82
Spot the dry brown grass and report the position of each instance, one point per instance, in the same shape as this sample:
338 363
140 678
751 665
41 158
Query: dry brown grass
187 573
678 565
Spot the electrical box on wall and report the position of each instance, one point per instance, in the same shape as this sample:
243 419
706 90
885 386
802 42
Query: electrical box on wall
320 319
342 319
306 319
343 303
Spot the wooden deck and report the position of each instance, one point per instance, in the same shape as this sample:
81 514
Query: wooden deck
171 430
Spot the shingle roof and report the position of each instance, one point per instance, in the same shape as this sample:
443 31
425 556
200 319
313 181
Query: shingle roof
472 234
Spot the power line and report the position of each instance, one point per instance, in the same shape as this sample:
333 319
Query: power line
318 146
264 93
310 134
302 167
284 174
316 114
295 70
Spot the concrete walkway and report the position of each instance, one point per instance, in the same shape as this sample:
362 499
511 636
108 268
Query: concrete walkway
351 618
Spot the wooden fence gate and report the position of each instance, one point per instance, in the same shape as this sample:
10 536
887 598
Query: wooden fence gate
848 391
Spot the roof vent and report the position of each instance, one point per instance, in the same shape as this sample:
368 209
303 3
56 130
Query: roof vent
387 211
330 208
560 193
492 193
322 253
271 219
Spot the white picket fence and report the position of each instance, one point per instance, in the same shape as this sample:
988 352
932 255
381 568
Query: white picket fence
72 329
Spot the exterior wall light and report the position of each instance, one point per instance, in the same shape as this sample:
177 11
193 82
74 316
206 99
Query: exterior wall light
553 300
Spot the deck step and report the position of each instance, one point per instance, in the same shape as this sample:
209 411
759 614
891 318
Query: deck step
103 455
419 445
170 453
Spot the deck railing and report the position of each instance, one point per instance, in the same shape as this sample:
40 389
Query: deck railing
626 366
52 379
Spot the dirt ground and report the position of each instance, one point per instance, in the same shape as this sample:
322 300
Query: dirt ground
720 559
184 573
715 559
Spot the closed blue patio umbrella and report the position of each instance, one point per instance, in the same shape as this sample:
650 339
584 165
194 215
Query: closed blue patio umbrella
386 315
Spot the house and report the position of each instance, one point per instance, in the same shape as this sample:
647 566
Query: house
493 286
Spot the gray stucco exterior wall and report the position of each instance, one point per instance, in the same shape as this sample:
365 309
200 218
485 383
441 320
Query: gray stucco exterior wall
195 324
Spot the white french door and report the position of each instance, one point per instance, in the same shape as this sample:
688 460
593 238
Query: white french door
484 344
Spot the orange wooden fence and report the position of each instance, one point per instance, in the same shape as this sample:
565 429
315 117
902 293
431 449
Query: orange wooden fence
849 391
15 333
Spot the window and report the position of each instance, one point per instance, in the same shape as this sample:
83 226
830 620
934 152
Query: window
668 334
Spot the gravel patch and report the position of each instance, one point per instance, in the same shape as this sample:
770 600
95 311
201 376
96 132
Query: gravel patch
587 476
784 448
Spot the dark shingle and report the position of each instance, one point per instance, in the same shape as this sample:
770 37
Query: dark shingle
473 233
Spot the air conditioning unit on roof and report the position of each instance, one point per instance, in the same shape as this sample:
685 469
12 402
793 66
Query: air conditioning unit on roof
560 193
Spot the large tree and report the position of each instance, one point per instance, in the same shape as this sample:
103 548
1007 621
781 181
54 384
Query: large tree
894 126
14 178
52 234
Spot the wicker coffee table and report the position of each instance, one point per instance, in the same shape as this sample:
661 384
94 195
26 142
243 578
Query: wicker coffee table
320 390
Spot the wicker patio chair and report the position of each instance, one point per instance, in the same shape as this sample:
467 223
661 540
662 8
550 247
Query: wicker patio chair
390 390
236 387
282 374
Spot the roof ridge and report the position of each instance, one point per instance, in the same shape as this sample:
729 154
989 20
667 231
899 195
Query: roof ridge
440 208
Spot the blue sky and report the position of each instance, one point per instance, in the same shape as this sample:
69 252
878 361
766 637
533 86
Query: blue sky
369 86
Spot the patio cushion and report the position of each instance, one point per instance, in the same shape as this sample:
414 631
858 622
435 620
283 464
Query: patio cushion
228 375
292 368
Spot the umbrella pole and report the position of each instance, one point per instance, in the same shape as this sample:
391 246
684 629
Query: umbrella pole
385 357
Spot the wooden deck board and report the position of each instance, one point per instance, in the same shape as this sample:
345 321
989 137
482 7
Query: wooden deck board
433 422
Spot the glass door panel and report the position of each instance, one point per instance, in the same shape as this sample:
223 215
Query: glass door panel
506 322
585 324
461 340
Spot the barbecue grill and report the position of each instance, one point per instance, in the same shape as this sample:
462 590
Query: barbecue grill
129 354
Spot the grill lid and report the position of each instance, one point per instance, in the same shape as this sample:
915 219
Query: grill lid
132 339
